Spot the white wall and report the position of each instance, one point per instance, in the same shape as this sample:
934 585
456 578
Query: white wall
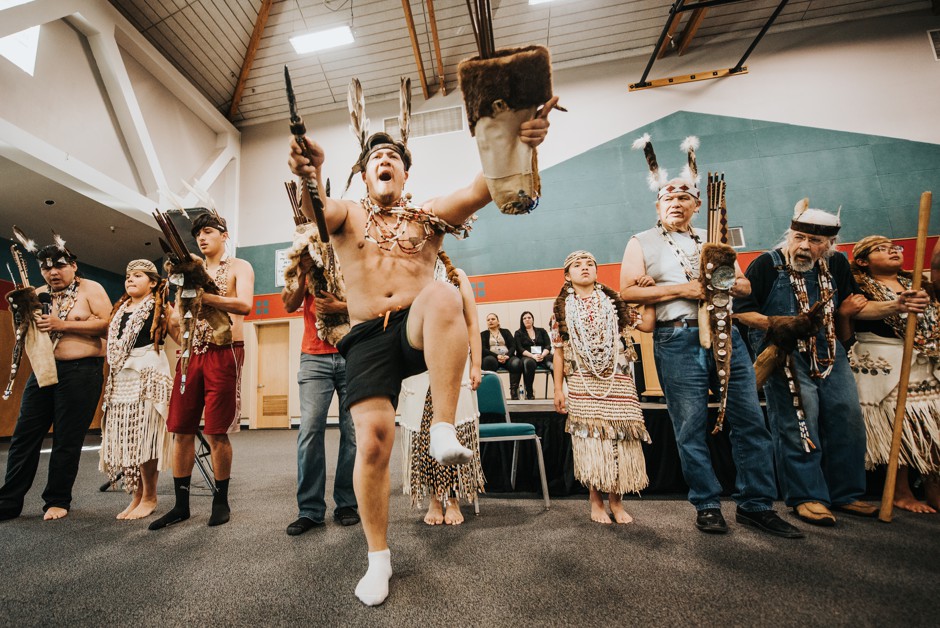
876 76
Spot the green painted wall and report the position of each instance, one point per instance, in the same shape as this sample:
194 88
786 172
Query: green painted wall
598 199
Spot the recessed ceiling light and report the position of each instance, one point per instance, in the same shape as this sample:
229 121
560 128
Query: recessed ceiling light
49 201
147 243
330 38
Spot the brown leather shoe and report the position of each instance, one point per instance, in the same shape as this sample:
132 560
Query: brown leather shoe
815 513
859 509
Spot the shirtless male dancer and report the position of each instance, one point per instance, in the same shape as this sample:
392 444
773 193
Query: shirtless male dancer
77 324
213 377
396 310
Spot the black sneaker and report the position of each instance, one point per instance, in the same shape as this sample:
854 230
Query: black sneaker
768 521
710 521
302 525
346 516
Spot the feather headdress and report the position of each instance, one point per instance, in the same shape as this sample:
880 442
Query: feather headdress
815 221
48 255
658 178
359 125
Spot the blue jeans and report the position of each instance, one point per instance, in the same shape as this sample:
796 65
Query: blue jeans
318 377
686 371
834 472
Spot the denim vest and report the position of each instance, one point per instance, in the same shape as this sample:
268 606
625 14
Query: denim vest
782 302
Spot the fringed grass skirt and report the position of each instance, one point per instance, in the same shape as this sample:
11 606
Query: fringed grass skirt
424 476
134 422
876 363
607 434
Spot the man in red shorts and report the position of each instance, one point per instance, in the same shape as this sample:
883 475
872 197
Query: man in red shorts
213 378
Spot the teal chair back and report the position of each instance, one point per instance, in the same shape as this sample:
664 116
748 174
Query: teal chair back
490 399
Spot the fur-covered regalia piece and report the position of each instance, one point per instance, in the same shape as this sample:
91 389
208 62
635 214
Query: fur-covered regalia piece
500 93
26 306
324 275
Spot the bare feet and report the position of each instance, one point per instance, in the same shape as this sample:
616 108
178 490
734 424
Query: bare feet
144 509
130 507
598 511
453 516
55 513
911 504
435 515
616 509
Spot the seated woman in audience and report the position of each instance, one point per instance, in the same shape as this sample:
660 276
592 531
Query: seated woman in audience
606 424
534 349
876 362
134 441
499 351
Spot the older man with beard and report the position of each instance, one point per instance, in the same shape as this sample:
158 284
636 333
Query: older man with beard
815 416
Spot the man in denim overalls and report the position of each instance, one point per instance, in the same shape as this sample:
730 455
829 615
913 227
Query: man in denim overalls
815 417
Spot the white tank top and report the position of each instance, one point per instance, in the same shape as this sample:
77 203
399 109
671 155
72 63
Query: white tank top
664 267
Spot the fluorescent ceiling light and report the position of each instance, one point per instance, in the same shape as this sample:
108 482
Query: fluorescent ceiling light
20 48
331 38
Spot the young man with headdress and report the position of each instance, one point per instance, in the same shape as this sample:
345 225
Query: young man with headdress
134 440
77 323
213 378
875 359
661 268
388 248
322 371
444 486
593 347
812 401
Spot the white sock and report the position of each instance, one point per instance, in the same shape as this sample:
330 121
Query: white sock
445 448
373 587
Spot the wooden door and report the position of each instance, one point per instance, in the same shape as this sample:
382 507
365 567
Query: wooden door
273 379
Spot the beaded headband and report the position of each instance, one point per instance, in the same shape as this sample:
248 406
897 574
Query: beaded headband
576 255
144 265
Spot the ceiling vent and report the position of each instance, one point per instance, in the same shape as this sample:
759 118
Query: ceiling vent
934 37
430 122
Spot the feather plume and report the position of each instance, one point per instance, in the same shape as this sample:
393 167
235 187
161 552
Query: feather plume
28 244
801 207
690 170
59 242
358 122
404 115
171 199
202 196
657 176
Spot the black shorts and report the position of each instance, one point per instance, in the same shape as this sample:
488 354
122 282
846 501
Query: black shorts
379 357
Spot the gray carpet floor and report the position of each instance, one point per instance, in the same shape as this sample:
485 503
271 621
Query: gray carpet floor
514 565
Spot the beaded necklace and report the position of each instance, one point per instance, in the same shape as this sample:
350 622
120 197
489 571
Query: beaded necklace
64 302
202 335
927 332
387 227
819 368
593 336
689 263
121 341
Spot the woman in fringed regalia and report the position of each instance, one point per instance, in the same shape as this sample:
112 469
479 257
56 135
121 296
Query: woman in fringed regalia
424 476
134 442
604 417
876 363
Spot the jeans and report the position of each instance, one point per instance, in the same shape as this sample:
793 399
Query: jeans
68 407
834 472
318 377
686 372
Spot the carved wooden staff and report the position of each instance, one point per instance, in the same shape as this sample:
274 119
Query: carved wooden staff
887 497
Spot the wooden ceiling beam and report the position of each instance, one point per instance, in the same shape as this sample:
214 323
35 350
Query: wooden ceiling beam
410 21
442 84
670 31
263 13
691 27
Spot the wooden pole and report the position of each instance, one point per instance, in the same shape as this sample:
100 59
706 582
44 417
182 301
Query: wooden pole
887 497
